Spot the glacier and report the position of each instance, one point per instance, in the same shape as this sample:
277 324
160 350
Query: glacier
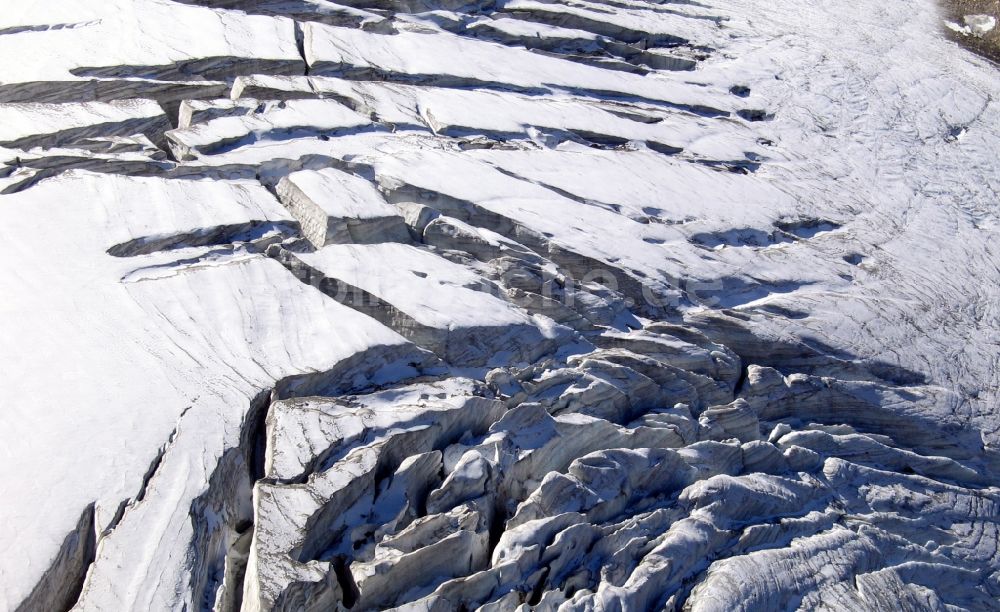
432 305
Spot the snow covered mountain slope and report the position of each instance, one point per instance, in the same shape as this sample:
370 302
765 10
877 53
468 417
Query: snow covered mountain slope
435 305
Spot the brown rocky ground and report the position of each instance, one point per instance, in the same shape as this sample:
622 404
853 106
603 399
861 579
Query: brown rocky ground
987 45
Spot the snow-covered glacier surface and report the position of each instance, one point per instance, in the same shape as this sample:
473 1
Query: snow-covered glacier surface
566 304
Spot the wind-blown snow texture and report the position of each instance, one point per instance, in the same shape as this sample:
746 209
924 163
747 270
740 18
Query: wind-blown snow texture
576 305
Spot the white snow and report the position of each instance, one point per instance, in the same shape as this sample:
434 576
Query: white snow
432 290
143 208
106 369
274 122
342 195
462 59
23 121
974 25
112 36
742 319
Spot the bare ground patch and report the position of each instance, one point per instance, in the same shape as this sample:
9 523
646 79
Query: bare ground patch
988 44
